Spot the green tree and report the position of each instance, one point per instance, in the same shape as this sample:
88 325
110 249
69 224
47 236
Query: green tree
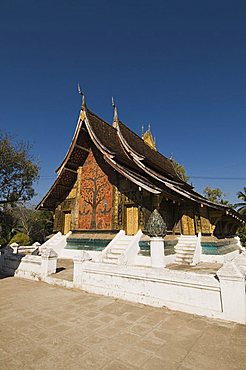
242 234
18 172
21 239
242 205
42 225
7 225
35 224
180 170
215 195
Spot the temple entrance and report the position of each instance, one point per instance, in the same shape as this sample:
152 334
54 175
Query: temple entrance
131 220
67 222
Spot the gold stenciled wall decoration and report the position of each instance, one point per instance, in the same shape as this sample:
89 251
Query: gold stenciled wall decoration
96 196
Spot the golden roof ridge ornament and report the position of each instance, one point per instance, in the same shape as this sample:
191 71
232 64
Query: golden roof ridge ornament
148 138
116 118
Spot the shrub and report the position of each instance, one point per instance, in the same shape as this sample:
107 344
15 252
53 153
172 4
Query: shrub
21 239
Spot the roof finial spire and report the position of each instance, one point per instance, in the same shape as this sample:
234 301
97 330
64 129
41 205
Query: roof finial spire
83 97
142 130
116 118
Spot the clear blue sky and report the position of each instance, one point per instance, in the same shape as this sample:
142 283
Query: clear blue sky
180 65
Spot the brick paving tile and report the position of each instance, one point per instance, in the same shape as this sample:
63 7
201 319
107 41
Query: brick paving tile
46 327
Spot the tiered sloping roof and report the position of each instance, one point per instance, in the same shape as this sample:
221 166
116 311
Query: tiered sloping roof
126 153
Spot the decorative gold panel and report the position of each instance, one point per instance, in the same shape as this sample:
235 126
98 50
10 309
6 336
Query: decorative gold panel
205 223
115 208
177 228
67 222
205 226
188 226
131 220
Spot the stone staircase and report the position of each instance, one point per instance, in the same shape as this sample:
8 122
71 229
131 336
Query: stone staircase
117 249
185 249
57 242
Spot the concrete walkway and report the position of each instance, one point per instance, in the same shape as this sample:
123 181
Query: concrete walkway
47 327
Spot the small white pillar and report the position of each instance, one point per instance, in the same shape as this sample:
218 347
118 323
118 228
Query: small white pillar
49 261
232 283
78 268
157 252
15 247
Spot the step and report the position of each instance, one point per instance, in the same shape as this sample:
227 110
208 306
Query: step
112 256
184 247
186 243
184 255
117 251
106 260
177 251
188 260
119 246
184 260
182 251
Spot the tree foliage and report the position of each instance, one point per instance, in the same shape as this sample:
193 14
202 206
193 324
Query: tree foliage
36 225
17 171
21 239
241 205
215 195
180 170
242 234
7 225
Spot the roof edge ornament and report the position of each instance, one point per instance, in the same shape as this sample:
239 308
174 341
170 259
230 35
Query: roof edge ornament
83 104
116 117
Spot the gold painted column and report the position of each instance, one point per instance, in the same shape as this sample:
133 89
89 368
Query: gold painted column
75 214
115 223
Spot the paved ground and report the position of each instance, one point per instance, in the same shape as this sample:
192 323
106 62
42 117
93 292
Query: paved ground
200 268
64 269
47 327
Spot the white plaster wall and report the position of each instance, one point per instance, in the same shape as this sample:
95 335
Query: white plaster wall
30 266
146 260
219 258
142 260
188 292
71 253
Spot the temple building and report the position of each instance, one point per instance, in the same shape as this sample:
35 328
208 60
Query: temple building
112 179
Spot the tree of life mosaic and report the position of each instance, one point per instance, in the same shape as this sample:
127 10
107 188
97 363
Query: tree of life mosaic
95 210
